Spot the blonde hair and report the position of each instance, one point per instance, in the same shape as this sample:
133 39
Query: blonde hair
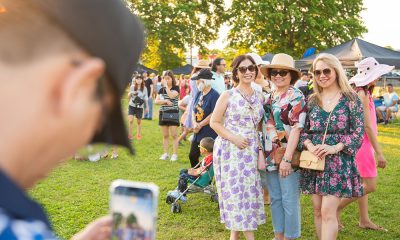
341 78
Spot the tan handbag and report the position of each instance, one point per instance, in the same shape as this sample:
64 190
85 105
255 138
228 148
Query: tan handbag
308 160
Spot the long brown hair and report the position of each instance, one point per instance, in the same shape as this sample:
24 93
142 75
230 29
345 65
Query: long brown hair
136 85
171 75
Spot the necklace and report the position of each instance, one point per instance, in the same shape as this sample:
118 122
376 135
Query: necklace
329 101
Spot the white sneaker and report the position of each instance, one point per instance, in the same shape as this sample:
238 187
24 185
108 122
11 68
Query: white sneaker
164 156
174 157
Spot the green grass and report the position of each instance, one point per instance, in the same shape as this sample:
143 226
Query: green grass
77 193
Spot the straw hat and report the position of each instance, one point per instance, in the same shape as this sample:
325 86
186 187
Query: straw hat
368 70
202 63
280 61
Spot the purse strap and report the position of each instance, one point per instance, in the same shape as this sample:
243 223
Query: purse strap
326 129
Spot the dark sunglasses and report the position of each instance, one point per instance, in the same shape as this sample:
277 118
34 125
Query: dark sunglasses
244 69
326 72
282 73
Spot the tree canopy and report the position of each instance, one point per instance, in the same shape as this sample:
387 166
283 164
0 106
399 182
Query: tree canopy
292 26
174 26
289 26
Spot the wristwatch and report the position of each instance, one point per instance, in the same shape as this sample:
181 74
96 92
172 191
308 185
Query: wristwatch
286 160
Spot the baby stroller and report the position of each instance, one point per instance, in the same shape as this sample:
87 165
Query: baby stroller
202 184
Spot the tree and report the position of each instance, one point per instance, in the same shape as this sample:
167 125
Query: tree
131 220
173 26
292 26
117 219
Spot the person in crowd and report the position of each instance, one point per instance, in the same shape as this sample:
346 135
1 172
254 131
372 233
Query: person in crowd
138 99
308 89
184 87
390 105
218 69
369 71
261 83
335 100
158 85
202 64
184 108
303 81
169 114
148 82
236 119
284 119
204 104
228 84
74 86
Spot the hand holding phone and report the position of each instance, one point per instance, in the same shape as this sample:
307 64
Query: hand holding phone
133 206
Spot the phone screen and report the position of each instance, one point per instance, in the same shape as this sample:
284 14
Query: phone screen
134 213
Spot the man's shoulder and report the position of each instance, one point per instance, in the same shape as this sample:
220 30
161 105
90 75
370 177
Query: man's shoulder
11 228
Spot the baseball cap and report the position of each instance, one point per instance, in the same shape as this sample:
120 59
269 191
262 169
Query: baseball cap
204 73
107 30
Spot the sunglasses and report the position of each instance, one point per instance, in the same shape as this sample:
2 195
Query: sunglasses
327 72
251 68
222 65
282 73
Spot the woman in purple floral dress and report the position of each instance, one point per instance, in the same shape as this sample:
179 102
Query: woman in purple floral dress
340 178
236 117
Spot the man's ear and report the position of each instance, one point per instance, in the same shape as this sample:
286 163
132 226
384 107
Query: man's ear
80 82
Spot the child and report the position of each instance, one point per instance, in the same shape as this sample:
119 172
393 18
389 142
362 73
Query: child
206 149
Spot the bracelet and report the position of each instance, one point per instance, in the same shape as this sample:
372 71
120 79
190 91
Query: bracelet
336 150
286 160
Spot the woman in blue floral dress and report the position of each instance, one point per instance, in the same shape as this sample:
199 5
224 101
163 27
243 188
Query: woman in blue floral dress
236 117
340 178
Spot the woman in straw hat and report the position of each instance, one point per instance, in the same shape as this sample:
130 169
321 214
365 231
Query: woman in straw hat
284 118
235 119
369 71
333 99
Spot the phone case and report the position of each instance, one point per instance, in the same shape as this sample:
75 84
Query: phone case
133 206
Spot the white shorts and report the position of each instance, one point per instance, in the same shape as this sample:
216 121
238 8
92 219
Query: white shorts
392 109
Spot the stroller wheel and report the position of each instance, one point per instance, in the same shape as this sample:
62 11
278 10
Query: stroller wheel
176 208
214 198
169 200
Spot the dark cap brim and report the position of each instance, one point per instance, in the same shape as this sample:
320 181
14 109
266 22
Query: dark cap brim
114 130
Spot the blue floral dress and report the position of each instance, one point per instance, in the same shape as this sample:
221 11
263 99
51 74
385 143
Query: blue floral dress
238 181
340 177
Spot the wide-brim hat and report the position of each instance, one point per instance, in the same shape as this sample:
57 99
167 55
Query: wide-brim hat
280 61
203 64
368 70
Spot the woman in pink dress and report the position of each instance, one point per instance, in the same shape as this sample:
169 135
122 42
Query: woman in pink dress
369 71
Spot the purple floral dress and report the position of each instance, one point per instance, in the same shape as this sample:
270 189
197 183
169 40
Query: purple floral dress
238 181
340 177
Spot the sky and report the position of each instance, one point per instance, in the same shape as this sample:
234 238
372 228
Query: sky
381 19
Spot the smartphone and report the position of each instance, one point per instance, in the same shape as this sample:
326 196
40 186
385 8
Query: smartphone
133 206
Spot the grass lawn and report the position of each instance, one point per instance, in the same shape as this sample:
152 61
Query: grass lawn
77 193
